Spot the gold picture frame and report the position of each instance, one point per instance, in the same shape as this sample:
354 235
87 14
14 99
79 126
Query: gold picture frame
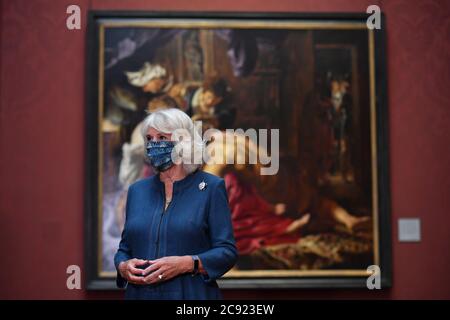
325 33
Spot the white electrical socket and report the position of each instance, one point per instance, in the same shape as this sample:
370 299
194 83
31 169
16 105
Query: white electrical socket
409 230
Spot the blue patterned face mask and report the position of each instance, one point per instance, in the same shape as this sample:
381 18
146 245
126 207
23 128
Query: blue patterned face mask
160 154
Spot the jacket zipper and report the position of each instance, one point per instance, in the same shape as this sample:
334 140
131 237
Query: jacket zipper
159 225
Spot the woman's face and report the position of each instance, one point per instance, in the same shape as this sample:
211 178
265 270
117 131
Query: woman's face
154 85
335 87
208 100
155 135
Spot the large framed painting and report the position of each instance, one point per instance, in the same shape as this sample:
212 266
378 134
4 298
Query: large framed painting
321 219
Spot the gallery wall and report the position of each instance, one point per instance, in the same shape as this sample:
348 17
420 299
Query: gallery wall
42 141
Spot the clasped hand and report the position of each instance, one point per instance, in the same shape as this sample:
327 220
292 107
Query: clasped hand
159 270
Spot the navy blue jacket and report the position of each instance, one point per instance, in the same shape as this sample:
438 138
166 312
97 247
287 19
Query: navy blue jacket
197 222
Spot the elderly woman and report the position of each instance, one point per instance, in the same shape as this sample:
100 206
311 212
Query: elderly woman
178 238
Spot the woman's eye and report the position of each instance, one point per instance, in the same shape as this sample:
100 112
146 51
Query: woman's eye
162 138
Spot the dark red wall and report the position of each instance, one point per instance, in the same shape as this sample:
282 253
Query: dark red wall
42 141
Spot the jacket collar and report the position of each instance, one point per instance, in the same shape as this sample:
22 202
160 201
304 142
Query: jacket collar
179 185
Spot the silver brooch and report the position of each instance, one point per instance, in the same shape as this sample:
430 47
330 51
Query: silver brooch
202 185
